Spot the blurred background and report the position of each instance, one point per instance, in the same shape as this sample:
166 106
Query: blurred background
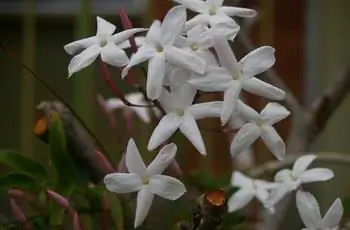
311 38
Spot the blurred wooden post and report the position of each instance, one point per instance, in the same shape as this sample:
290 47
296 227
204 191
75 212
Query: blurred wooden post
27 97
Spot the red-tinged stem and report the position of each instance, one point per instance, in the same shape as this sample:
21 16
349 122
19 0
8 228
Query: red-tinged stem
127 24
76 221
104 162
104 216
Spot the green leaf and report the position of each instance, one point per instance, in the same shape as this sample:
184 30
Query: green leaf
346 204
61 160
23 164
116 210
17 180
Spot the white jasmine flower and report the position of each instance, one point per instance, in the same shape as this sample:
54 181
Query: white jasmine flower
248 189
291 180
135 98
159 49
181 114
212 12
260 125
236 76
146 181
105 43
309 211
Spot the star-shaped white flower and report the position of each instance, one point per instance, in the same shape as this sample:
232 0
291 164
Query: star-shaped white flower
248 189
309 211
105 43
181 114
147 181
135 98
159 49
260 125
212 12
236 76
291 180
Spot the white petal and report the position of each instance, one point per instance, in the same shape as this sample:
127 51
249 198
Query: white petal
183 95
238 11
302 163
164 130
273 141
154 33
123 182
258 61
167 187
185 59
276 195
113 55
76 46
284 175
239 199
261 194
173 24
196 33
334 215
83 59
197 20
165 156
215 79
194 5
273 113
316 174
126 44
104 28
244 138
144 53
261 88
207 109
308 208
246 112
142 113
230 101
114 103
166 100
126 34
238 179
155 76
229 30
190 129
144 202
225 54
133 159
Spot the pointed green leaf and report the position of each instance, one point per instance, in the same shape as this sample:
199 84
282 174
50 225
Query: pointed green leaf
17 180
23 164
116 210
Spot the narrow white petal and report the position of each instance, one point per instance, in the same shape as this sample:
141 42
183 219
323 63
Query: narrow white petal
144 53
185 59
133 159
238 11
206 110
276 195
165 156
217 3
167 187
142 113
302 163
261 194
244 138
273 141
308 208
230 101
114 103
123 182
144 202
153 33
173 24
284 175
229 29
76 46
164 130
166 100
104 28
155 76
126 34
273 113
83 59
113 55
183 95
226 56
126 44
316 174
194 5
215 79
238 179
258 61
197 32
190 129
239 199
334 215
261 88
246 112
197 20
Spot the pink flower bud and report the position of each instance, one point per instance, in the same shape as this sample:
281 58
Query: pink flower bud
59 199
103 162
17 212
76 221
17 194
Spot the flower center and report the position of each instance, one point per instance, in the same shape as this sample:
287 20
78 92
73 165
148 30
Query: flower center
159 48
103 42
145 179
194 46
237 74
260 122
212 11
180 112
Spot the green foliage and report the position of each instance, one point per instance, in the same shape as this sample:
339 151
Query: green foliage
346 204
16 180
116 210
206 181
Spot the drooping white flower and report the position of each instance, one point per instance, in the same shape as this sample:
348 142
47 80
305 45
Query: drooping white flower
235 76
147 181
182 115
309 211
260 125
104 43
291 180
159 49
248 189
212 12
135 98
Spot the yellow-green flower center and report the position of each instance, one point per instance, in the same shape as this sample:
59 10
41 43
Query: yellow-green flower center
103 42
145 179
180 112
194 46
212 11
159 49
